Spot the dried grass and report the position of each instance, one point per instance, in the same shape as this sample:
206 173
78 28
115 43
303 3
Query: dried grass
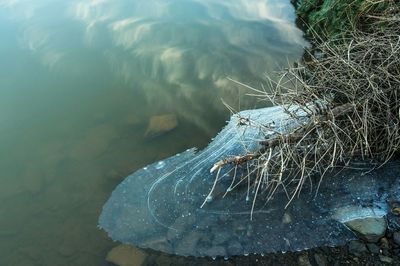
345 99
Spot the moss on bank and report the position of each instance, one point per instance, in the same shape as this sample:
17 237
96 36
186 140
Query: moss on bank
338 18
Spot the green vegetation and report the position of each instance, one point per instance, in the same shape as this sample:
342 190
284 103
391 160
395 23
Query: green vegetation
335 18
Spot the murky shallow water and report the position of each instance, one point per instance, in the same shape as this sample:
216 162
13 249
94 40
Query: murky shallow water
79 83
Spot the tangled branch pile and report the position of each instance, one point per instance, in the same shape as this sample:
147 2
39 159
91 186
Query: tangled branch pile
345 99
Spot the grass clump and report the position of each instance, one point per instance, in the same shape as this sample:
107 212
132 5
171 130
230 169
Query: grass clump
345 100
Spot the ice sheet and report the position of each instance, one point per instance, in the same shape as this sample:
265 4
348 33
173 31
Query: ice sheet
159 206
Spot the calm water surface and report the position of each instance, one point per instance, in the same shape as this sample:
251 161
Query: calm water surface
79 82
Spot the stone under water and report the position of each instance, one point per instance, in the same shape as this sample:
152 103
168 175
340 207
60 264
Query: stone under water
126 255
160 206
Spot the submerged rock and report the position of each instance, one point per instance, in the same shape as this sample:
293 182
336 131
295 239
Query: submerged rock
303 260
385 259
161 124
370 229
159 206
357 248
125 255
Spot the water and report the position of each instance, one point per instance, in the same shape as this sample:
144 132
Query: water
79 83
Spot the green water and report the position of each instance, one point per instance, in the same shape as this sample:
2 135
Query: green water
79 82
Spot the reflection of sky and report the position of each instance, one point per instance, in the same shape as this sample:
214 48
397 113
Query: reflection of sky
173 50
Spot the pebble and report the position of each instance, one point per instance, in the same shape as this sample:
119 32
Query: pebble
303 260
357 247
385 259
161 124
396 238
287 218
370 229
320 259
384 242
125 255
396 210
373 248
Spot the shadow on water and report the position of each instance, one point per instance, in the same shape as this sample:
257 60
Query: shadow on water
80 84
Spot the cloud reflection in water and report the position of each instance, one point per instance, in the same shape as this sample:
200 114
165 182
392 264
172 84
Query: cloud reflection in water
174 50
